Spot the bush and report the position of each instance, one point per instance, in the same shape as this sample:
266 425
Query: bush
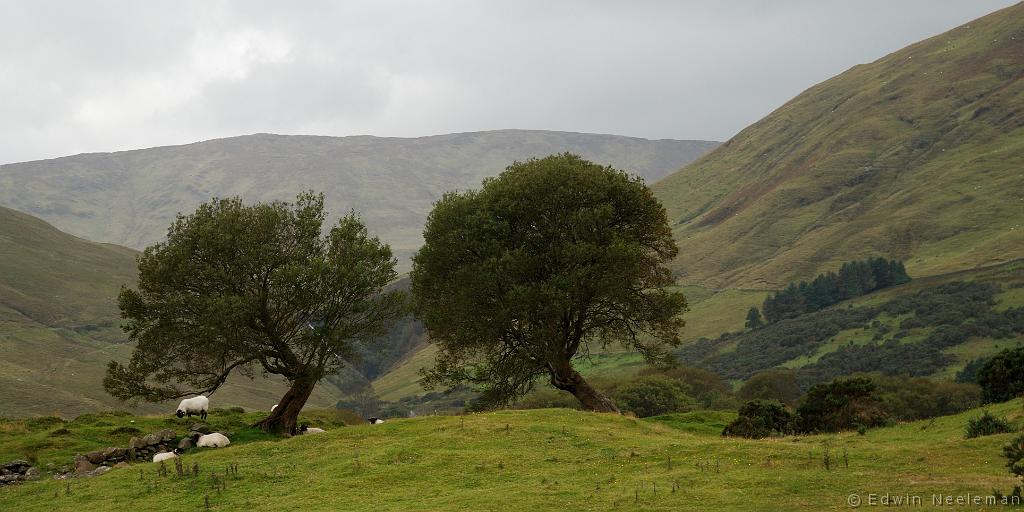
762 418
916 398
707 387
778 385
1002 377
987 425
842 404
651 396
547 398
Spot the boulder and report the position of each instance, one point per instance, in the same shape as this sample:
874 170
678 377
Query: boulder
114 453
202 428
82 465
185 444
32 474
98 471
9 479
150 439
96 457
167 435
134 443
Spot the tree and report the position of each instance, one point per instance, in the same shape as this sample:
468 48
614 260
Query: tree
1002 376
841 405
753 318
758 419
655 395
247 288
554 256
777 384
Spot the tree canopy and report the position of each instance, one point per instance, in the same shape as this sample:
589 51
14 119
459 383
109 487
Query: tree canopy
253 288
554 257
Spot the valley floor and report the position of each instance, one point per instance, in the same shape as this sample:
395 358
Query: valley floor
556 459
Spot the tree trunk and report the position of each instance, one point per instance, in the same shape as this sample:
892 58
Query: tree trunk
566 378
284 418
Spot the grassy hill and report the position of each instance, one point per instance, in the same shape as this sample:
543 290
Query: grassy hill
59 325
931 326
130 197
916 156
551 459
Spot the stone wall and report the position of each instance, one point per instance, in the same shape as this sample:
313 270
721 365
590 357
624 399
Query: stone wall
138 449
17 471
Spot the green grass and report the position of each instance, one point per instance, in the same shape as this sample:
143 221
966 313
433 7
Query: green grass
911 156
552 459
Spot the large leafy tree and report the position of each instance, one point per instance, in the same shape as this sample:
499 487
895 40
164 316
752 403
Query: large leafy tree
253 289
553 257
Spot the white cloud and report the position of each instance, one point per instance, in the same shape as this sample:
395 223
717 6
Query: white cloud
111 75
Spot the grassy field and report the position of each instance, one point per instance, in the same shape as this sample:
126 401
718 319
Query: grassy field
552 459
916 156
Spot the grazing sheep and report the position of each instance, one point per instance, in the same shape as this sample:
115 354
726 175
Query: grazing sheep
214 440
305 430
198 405
168 455
375 421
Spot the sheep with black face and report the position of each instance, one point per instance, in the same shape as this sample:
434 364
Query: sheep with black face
198 405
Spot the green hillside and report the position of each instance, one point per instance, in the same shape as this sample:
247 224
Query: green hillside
550 459
932 326
130 197
59 325
917 156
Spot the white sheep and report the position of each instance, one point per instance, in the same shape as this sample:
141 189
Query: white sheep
375 421
214 440
196 405
306 430
168 455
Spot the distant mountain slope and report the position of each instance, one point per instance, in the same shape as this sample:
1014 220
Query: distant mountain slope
59 325
130 197
917 156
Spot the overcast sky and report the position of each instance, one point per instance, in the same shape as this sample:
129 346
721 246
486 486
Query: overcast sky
103 76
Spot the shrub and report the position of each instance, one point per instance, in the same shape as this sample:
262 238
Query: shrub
651 396
762 418
986 425
547 398
43 422
1002 377
778 385
916 398
842 404
707 387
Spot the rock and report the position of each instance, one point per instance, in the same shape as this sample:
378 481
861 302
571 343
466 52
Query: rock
17 465
32 474
114 453
121 465
9 479
150 439
185 444
167 435
98 471
96 457
82 465
202 428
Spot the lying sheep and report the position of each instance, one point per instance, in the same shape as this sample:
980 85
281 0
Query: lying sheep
214 440
168 455
199 405
305 430
375 421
